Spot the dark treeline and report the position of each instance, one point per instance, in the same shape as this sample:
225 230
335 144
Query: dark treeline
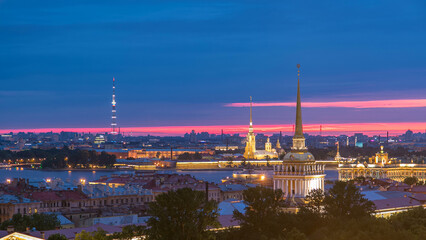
189 156
26 155
40 222
60 158
341 213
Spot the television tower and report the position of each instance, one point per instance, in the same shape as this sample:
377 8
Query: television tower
114 111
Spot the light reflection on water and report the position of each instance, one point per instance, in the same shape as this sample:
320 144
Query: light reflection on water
89 175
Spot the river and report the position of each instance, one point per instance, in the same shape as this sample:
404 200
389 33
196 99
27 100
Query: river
75 175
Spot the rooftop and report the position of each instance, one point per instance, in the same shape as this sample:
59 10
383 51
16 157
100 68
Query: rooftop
7 198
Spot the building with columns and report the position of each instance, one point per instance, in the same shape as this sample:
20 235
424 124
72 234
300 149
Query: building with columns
299 173
381 167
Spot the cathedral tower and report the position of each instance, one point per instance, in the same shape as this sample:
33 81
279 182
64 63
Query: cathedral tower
251 138
268 146
299 173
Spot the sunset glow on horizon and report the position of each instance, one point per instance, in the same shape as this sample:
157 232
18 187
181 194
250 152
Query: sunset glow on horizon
396 103
313 129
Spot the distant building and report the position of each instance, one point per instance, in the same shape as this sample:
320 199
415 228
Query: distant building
118 153
165 153
13 204
225 148
380 167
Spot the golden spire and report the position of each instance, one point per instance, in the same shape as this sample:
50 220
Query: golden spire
299 129
298 139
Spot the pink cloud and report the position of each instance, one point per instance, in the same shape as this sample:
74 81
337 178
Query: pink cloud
396 103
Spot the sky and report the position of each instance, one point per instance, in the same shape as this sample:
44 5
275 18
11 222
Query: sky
183 65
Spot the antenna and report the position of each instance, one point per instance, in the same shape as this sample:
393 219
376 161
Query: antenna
114 111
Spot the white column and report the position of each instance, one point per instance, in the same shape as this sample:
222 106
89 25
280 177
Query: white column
297 187
304 187
294 186
285 188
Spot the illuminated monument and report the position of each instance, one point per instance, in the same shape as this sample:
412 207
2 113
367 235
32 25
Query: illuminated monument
251 138
250 150
299 173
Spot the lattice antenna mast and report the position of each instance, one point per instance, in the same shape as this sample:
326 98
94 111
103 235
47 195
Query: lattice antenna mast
114 111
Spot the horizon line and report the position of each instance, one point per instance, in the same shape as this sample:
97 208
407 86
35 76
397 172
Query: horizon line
335 128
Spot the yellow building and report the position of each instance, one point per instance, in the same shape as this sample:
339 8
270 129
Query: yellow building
251 138
250 149
299 173
381 167
381 158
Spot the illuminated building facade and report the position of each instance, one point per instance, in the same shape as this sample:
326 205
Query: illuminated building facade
166 153
299 173
250 150
251 138
381 167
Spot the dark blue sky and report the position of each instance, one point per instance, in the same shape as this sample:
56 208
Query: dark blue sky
179 62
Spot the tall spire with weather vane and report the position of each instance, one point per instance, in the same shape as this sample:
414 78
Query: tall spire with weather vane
299 128
298 139
251 116
251 138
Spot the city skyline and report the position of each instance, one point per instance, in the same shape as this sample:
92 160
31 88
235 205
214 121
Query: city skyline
196 70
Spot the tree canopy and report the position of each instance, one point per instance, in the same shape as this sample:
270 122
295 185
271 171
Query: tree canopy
57 236
320 218
182 214
344 199
100 234
129 232
410 180
41 222
189 156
